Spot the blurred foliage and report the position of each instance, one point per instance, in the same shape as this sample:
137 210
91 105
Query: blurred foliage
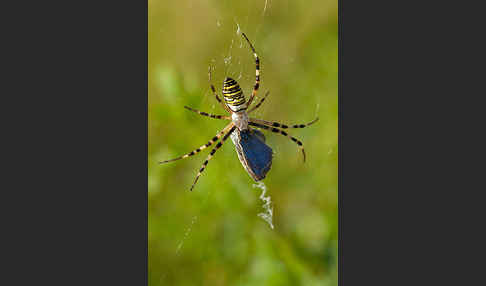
213 235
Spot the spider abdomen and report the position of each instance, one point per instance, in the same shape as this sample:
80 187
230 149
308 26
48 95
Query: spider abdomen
233 95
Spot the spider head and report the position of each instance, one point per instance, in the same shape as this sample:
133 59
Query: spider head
233 95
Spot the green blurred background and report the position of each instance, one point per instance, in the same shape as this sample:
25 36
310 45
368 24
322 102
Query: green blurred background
213 235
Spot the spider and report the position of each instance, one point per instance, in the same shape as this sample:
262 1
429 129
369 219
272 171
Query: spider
253 153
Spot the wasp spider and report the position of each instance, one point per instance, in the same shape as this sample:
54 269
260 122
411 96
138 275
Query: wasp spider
253 153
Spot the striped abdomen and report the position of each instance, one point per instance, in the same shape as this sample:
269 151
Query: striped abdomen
233 95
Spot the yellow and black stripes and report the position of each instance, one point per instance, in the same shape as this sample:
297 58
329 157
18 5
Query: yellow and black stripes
212 141
208 114
257 72
276 130
233 95
213 151
260 103
280 125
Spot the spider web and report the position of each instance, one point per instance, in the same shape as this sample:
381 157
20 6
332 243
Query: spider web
239 64
236 61
208 35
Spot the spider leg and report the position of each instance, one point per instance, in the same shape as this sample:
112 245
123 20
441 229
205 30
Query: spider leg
216 95
260 103
208 114
257 72
214 151
273 129
213 140
280 125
